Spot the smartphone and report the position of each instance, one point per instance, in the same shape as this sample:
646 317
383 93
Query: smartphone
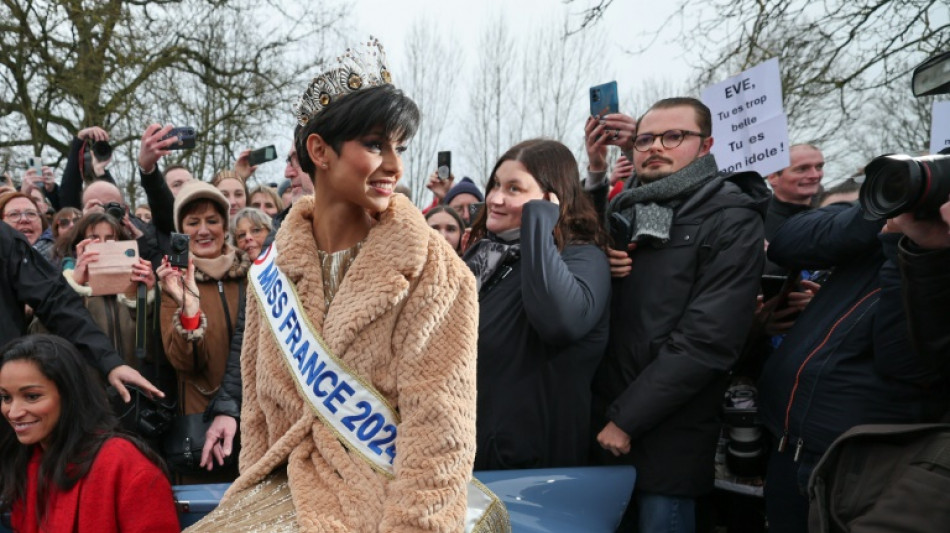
262 155
474 209
112 273
772 286
604 99
444 165
621 231
178 252
36 165
186 138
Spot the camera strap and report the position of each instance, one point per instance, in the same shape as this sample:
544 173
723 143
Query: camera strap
141 322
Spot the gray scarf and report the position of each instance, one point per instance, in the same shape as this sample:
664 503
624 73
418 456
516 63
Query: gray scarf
488 255
649 207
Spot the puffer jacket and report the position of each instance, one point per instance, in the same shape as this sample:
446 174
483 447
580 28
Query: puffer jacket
677 325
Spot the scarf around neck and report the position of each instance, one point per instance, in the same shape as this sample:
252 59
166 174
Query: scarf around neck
489 254
215 268
649 208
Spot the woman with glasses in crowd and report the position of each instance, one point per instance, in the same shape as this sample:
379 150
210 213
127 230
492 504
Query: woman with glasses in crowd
22 214
64 219
537 253
64 463
251 228
395 309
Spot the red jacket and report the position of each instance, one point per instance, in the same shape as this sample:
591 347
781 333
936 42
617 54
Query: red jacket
123 492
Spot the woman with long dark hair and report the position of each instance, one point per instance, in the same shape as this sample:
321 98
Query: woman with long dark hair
65 466
544 288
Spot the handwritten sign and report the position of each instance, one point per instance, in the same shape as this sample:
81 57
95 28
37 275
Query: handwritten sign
940 127
749 125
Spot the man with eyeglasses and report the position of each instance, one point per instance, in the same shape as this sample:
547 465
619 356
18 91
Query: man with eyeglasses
686 278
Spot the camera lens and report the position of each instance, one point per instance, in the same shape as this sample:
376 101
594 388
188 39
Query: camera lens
115 210
102 150
897 183
179 243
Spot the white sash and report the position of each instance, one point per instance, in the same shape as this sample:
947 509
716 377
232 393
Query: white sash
359 416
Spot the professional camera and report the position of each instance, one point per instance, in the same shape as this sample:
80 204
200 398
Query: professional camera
115 210
897 183
178 254
745 451
102 150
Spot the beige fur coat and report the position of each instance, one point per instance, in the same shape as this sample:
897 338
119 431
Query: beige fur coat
405 319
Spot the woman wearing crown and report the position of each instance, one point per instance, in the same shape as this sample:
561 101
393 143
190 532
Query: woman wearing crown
358 362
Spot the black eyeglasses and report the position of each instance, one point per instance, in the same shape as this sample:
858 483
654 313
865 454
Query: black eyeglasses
669 139
66 221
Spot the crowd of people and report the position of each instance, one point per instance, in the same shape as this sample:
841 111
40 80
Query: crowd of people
559 317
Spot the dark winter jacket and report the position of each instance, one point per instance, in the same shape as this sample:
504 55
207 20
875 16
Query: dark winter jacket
678 322
847 360
926 283
227 401
542 333
28 279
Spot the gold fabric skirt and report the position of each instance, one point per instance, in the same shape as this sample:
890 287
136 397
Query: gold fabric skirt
266 508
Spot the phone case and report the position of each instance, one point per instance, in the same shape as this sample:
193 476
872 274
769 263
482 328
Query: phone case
445 165
262 155
186 138
604 99
112 273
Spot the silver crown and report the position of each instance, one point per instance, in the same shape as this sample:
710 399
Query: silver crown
358 70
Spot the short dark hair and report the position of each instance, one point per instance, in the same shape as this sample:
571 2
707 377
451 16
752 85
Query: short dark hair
703 115
355 115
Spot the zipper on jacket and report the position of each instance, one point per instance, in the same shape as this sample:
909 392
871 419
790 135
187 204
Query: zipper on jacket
798 450
791 397
224 305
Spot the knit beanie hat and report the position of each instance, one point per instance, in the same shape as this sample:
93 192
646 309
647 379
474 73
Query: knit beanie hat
195 190
284 185
466 186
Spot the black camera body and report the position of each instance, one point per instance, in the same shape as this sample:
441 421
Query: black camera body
898 183
621 231
178 252
102 150
115 210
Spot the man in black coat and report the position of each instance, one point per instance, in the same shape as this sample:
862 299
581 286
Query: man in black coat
28 279
681 310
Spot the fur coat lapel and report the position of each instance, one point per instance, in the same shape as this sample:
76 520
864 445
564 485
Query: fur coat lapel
378 279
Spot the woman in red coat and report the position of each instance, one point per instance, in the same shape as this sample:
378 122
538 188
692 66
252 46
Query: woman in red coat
63 465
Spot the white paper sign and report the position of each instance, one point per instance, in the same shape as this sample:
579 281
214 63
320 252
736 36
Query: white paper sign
749 125
940 127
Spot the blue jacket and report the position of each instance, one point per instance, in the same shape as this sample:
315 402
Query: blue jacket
848 358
